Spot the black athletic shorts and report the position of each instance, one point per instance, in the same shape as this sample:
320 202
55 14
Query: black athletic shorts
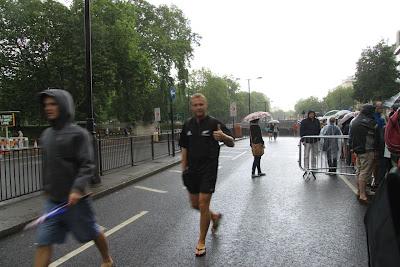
201 177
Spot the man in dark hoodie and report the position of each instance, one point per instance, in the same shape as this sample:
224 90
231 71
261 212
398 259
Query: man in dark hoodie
68 166
310 126
363 140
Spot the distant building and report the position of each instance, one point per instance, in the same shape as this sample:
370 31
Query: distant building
348 82
397 50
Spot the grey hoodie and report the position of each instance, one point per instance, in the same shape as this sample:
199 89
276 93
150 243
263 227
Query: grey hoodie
68 163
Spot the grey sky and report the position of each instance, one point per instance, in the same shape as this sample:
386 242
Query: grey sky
300 48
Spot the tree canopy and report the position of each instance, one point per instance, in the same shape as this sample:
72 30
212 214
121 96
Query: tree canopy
136 47
339 98
310 103
377 74
221 91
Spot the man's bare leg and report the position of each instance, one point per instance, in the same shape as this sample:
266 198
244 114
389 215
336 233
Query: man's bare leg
42 256
205 217
102 245
194 201
362 189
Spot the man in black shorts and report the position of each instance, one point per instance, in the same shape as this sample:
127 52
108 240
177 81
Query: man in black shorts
199 141
68 166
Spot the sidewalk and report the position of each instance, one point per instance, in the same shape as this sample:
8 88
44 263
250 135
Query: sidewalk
16 214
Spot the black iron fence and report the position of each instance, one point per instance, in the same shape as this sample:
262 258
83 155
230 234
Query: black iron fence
116 153
20 172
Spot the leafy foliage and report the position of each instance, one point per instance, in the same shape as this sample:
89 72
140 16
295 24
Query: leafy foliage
377 74
339 98
136 47
311 103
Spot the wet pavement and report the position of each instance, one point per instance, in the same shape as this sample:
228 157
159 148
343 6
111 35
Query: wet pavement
275 220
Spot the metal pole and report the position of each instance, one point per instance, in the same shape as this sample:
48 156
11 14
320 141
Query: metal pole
88 65
172 128
132 155
233 127
248 83
152 147
89 88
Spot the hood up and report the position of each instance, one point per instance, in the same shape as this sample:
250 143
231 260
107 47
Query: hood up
65 103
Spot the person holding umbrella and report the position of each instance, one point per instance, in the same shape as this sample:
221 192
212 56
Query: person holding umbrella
257 145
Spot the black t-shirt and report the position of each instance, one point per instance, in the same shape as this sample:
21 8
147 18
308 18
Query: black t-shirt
197 138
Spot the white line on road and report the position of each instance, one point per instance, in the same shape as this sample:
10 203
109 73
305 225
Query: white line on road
230 152
347 182
225 156
238 156
151 189
91 243
177 171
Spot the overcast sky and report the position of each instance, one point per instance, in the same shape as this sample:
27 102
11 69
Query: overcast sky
300 48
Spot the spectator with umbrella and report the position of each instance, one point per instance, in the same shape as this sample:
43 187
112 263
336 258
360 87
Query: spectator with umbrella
256 141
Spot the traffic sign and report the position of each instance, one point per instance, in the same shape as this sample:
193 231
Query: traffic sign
157 114
233 109
172 92
7 120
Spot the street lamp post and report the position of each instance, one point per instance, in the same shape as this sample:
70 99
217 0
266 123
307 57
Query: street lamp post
90 124
248 85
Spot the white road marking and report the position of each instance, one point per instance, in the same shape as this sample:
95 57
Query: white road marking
91 243
177 171
225 156
347 182
151 189
230 152
238 156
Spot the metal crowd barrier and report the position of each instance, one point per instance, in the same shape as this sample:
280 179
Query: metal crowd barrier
327 154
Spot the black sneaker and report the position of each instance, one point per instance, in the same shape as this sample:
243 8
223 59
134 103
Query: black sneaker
261 174
254 176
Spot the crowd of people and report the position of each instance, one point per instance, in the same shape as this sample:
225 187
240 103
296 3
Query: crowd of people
365 147
65 182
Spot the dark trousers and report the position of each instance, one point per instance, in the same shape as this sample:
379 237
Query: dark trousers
332 162
256 164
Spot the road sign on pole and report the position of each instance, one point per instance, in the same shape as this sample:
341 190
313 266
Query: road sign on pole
157 114
233 109
172 92
7 120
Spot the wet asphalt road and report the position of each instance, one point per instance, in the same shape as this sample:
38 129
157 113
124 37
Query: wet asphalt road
276 220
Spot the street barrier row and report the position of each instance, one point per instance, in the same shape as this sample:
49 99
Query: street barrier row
328 154
21 169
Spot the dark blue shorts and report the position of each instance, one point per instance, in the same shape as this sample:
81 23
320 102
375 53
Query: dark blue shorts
78 219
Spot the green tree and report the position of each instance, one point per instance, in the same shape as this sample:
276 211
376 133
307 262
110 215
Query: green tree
339 98
311 103
259 102
136 47
376 74
31 33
